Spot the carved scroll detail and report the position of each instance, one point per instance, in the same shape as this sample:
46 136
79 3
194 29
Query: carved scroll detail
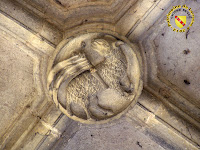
96 82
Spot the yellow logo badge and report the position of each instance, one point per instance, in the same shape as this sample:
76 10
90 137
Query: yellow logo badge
180 18
180 21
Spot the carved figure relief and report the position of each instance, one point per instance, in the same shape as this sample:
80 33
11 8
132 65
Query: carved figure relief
94 77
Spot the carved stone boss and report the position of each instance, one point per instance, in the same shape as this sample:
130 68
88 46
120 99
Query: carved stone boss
94 77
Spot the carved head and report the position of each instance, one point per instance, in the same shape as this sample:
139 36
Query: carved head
100 45
96 50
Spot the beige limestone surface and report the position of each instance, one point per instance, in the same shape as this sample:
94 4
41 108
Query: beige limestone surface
167 114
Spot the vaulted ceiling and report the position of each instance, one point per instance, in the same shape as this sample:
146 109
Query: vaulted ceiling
168 110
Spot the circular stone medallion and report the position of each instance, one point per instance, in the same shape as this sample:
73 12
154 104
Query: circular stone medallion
94 77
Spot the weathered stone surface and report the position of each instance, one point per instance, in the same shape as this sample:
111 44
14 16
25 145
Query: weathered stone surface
112 100
54 11
166 55
90 66
17 88
167 115
31 22
122 135
177 64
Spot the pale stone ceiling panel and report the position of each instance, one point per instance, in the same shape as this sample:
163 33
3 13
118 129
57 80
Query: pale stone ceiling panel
174 126
88 12
121 135
178 58
69 4
172 66
17 87
22 53
177 67
28 21
169 69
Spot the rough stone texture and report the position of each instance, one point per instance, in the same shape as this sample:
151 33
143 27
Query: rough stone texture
54 11
159 117
90 88
17 88
31 22
121 135
171 81
178 62
167 115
